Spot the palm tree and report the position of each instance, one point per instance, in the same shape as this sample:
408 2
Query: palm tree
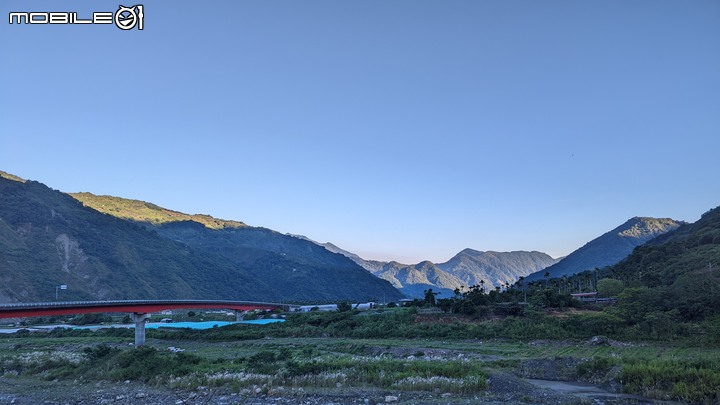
547 277
595 278
430 297
520 281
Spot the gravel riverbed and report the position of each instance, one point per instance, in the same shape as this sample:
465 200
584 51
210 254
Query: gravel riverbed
503 388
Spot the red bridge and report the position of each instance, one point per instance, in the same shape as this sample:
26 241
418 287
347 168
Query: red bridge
139 308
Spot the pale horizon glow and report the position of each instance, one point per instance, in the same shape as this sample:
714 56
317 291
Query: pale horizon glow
404 130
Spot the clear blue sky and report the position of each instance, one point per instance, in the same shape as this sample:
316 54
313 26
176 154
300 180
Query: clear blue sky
397 129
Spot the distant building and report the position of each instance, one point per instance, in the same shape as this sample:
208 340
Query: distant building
331 307
323 308
405 302
585 297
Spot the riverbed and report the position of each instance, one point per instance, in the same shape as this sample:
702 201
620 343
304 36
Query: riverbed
150 325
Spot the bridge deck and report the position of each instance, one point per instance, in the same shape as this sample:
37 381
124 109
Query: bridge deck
22 310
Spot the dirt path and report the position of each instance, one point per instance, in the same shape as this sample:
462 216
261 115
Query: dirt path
589 391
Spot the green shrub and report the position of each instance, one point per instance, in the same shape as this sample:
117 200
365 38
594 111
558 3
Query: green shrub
592 324
99 352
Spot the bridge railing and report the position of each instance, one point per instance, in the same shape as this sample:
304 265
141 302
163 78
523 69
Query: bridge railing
21 310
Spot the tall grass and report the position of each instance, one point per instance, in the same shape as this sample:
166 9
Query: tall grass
695 381
267 368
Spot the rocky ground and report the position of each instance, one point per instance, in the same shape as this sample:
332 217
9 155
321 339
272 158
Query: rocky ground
503 389
530 381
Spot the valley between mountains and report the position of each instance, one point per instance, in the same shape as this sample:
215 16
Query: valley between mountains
109 247
502 320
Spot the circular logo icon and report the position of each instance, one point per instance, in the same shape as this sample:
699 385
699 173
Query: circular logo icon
126 18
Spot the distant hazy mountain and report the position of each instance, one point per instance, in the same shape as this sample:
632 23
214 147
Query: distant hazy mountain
610 248
370 265
467 268
495 268
414 279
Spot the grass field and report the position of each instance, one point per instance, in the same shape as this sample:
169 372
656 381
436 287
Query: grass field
265 359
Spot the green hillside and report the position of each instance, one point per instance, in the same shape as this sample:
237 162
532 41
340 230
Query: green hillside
609 248
676 276
299 269
48 238
115 248
690 250
11 177
142 211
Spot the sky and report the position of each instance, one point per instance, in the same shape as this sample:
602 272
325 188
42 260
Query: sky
399 130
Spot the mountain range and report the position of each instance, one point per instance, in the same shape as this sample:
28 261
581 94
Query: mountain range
112 248
107 247
609 248
497 269
468 267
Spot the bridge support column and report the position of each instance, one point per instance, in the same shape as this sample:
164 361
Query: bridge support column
140 320
240 315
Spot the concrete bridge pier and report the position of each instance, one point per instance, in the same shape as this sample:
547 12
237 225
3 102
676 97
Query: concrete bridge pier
140 320
240 315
